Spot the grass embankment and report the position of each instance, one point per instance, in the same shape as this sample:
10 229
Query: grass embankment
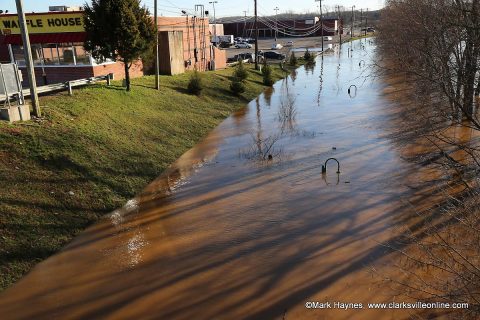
369 35
94 151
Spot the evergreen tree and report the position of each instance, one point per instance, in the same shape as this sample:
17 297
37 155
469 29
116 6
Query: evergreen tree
119 30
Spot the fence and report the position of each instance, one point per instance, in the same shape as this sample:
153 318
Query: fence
69 85
10 84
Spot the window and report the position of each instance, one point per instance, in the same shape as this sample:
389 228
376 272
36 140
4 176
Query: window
54 54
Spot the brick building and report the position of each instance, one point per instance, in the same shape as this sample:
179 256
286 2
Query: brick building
286 27
196 47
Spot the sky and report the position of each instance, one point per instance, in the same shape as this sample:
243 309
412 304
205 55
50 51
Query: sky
222 8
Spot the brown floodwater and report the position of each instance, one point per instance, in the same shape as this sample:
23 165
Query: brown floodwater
227 233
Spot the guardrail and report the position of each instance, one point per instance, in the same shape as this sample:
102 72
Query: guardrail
69 85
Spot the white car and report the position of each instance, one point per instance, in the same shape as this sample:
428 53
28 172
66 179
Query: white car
276 46
327 38
243 45
289 44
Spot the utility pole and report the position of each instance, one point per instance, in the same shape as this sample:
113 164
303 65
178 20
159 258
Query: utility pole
340 23
256 36
157 53
321 22
361 21
276 23
353 21
27 51
366 23
244 33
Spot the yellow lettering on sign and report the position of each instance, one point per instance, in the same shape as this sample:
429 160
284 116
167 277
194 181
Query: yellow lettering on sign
44 23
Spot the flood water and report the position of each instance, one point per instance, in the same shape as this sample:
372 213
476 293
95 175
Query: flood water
227 233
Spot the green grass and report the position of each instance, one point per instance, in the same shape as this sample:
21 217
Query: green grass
369 35
104 144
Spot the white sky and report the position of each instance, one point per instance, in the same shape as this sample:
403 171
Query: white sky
223 7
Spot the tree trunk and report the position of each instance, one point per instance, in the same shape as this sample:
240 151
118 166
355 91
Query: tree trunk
471 57
127 75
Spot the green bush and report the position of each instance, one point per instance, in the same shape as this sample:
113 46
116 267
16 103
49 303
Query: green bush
240 71
293 59
267 75
195 83
237 86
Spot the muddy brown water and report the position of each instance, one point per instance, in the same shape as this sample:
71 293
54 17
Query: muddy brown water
226 233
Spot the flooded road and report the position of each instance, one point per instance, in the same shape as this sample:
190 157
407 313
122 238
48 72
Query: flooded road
227 233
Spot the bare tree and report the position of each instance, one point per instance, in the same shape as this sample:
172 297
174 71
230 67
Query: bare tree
435 44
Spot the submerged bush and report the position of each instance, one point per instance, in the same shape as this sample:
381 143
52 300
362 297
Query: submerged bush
195 83
309 57
293 59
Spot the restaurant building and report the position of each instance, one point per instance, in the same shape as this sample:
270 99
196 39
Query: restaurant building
56 39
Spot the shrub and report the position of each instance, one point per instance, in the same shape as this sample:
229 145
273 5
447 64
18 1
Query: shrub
237 86
267 75
240 71
195 83
293 59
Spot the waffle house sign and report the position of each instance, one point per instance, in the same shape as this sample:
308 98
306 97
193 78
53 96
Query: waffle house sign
44 23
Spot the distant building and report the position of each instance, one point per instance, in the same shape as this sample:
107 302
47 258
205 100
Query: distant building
64 8
309 27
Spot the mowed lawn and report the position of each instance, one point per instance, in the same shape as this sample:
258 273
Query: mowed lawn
95 150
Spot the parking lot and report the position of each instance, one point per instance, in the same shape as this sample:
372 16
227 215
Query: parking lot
266 45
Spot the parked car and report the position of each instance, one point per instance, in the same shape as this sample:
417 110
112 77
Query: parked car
276 46
327 38
273 55
250 57
243 45
289 44
224 44
245 57
250 40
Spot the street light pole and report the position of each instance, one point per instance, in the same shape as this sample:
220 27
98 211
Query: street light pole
157 53
276 23
214 30
28 59
353 21
214 21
